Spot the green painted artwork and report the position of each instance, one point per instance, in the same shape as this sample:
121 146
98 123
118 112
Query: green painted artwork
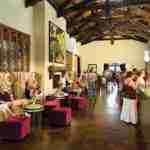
56 44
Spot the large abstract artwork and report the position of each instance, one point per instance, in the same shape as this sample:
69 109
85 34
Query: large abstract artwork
56 44
14 50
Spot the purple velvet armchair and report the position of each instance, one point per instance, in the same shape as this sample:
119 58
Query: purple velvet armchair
79 103
15 128
60 116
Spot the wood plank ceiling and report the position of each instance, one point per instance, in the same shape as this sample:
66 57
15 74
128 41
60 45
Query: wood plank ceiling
89 20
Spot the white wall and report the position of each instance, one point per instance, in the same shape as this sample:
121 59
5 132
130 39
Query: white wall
14 14
123 51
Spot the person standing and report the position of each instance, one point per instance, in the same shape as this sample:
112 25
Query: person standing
84 85
92 77
107 75
129 112
99 84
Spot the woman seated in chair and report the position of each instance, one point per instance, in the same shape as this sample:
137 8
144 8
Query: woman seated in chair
5 111
32 87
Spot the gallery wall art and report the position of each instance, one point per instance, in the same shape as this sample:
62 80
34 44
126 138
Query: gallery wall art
56 44
14 50
92 67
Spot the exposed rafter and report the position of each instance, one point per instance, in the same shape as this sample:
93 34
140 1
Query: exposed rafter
89 20
54 4
66 3
29 3
81 6
86 5
107 39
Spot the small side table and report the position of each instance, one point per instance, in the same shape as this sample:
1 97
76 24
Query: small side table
36 113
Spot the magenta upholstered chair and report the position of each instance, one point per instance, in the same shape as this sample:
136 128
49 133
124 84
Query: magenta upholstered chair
52 104
79 103
15 128
60 116
48 107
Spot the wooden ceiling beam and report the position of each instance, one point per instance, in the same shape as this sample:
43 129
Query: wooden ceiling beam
136 2
66 3
103 23
80 6
134 35
85 38
125 37
101 18
63 6
54 4
141 39
75 21
95 5
106 39
141 36
96 25
29 3
94 32
82 30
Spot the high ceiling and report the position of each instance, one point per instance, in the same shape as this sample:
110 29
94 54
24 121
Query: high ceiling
89 20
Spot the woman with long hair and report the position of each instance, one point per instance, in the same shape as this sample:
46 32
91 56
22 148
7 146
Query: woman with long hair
129 112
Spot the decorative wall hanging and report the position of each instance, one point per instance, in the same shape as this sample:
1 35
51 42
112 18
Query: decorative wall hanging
14 50
92 67
56 44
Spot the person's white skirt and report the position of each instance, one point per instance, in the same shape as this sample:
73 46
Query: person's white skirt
129 112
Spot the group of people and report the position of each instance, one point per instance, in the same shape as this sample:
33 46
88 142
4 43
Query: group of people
130 85
85 85
12 86
133 83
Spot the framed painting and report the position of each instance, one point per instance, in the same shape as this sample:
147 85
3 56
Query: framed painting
92 67
56 44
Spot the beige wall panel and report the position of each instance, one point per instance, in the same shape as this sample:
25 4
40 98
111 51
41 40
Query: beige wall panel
123 51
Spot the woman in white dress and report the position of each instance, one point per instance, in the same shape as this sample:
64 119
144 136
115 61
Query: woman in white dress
129 109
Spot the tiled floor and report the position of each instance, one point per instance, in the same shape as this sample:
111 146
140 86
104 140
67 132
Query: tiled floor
100 129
